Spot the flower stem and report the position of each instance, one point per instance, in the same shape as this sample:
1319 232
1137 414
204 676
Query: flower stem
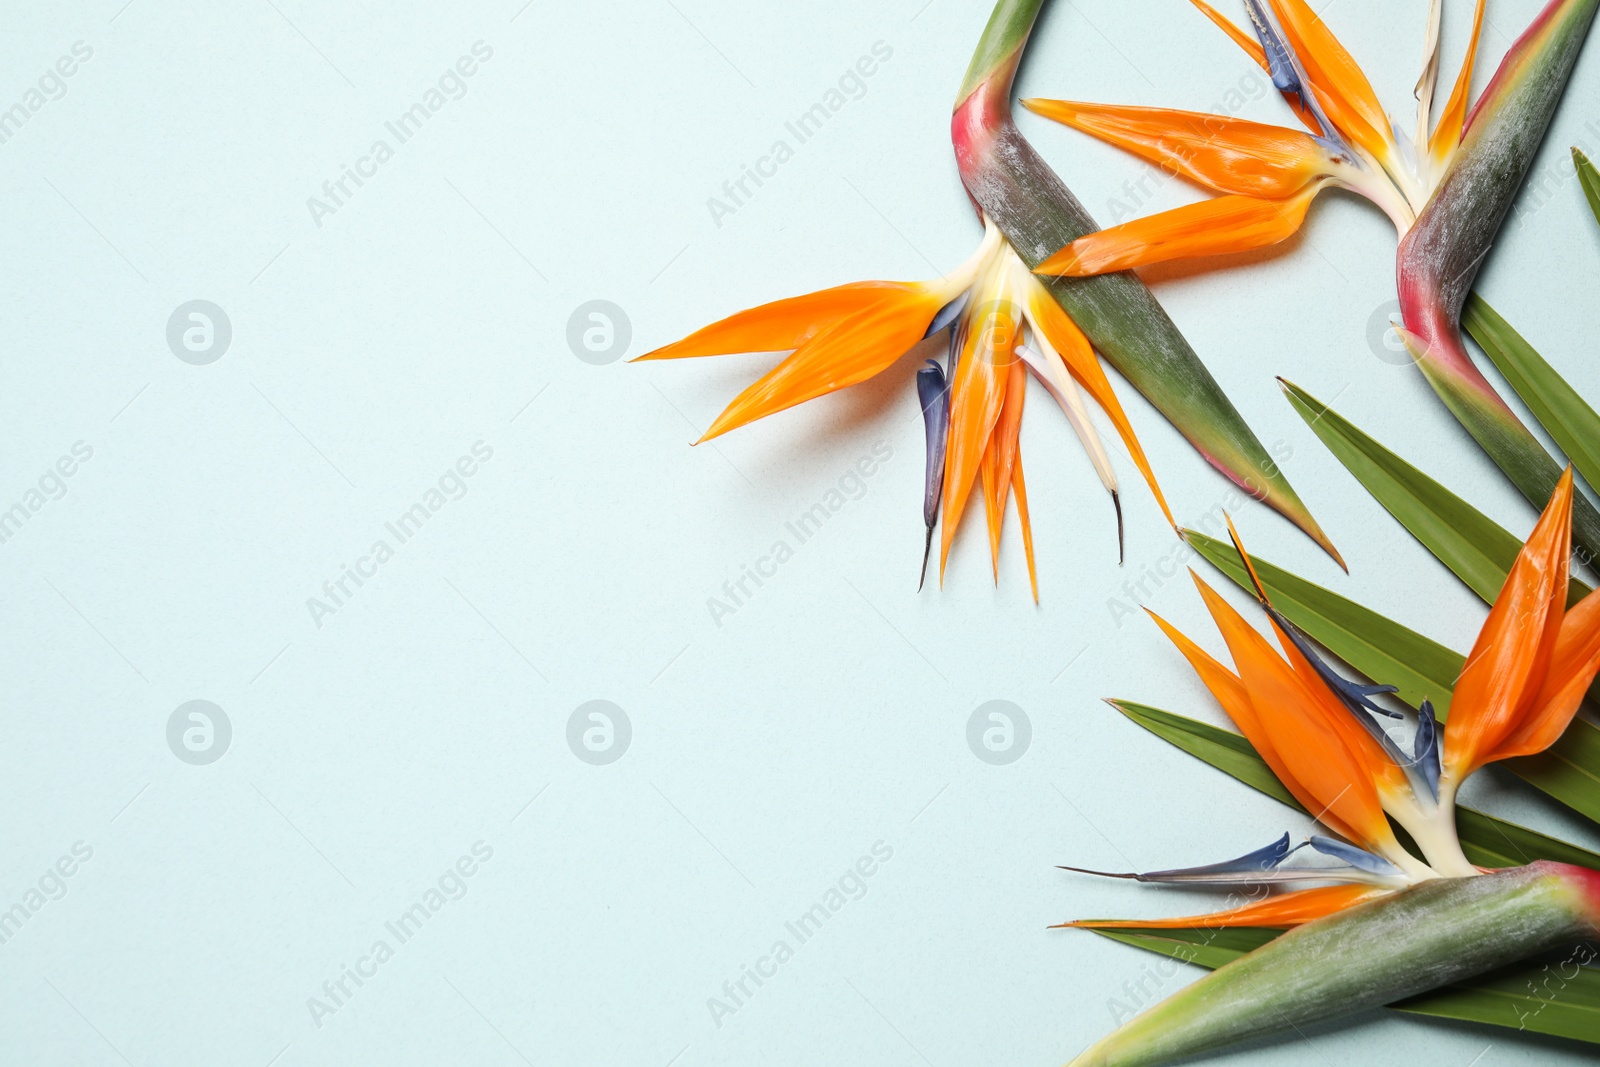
1017 191
1409 942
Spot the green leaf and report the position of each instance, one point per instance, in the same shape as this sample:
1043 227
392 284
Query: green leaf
1225 750
1471 544
1479 551
1565 415
1487 841
1208 948
1590 180
1557 998
1003 37
1386 652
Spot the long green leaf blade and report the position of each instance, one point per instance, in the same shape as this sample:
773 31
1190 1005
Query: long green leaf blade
1590 179
1231 753
1032 206
1471 544
1464 539
1565 415
1557 999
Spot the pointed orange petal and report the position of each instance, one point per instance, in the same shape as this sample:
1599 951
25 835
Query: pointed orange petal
849 351
1375 763
1230 692
1008 430
1574 662
1225 154
1344 90
1316 756
994 494
1281 911
976 397
1019 486
1244 40
1002 455
1074 348
1211 227
783 324
1506 668
1452 120
1254 50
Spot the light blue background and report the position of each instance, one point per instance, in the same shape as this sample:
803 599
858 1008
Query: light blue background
770 752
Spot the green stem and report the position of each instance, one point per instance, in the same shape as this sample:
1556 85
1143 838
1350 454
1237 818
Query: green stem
1401 945
1001 44
1037 213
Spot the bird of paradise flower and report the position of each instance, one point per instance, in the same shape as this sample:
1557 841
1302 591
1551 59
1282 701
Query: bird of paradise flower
1001 322
1446 187
1389 923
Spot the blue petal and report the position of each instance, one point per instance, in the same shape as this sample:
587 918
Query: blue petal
948 314
1280 63
933 390
1424 761
1353 695
1358 858
1284 67
1425 747
1253 867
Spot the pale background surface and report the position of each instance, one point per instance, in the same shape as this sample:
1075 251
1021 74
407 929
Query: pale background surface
769 753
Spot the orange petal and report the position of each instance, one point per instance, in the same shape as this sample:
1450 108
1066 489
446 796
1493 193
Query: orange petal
1008 430
976 397
849 351
1505 671
994 504
1230 692
1282 911
1225 154
1573 664
1211 227
1254 50
1323 704
1001 456
1376 764
1289 716
783 324
1345 93
1074 348
1244 40
1021 489
1452 120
